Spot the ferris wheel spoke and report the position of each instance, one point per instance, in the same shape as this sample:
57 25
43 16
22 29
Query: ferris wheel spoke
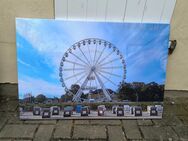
115 67
89 53
100 55
110 73
107 78
96 87
70 69
95 82
106 57
90 84
79 92
82 77
80 59
84 55
72 62
109 62
106 93
72 76
95 54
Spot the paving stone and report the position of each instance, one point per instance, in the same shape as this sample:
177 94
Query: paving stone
40 122
44 133
89 132
18 131
71 140
81 121
9 106
14 118
95 140
168 120
63 131
115 133
176 109
145 122
139 140
158 133
21 140
131 129
105 122
2 107
184 120
186 106
182 131
3 120
181 100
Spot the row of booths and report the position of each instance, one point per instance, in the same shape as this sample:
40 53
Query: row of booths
56 110
126 110
79 110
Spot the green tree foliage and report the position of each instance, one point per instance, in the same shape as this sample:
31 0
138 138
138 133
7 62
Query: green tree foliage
84 96
40 98
68 96
138 91
152 91
126 92
32 99
74 88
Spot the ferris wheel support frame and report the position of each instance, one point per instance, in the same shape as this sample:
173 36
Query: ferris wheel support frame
106 93
77 96
79 92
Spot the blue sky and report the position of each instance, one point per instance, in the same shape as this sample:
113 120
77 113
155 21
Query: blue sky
42 43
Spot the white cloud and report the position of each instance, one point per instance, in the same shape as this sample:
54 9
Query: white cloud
39 86
45 40
153 51
52 42
26 64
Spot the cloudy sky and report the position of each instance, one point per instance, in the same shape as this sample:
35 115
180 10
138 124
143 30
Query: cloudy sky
42 43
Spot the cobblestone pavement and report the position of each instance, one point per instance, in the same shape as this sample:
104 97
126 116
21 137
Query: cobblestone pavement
173 126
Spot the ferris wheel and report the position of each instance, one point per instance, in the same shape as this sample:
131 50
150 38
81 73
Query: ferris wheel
92 64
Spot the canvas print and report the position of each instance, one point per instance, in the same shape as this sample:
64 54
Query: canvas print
91 70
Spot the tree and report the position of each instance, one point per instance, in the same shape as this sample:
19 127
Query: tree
74 88
126 92
40 98
152 92
68 96
84 96
139 91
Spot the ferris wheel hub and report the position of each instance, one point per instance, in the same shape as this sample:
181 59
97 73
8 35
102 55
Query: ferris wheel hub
93 68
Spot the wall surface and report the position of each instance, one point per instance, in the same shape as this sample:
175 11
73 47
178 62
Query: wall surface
177 67
9 9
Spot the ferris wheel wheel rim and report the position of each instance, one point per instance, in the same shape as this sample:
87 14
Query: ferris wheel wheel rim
78 44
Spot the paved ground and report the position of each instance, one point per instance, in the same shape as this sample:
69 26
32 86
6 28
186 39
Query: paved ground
173 126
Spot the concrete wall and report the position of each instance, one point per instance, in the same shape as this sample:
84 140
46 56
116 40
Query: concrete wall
177 68
9 9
